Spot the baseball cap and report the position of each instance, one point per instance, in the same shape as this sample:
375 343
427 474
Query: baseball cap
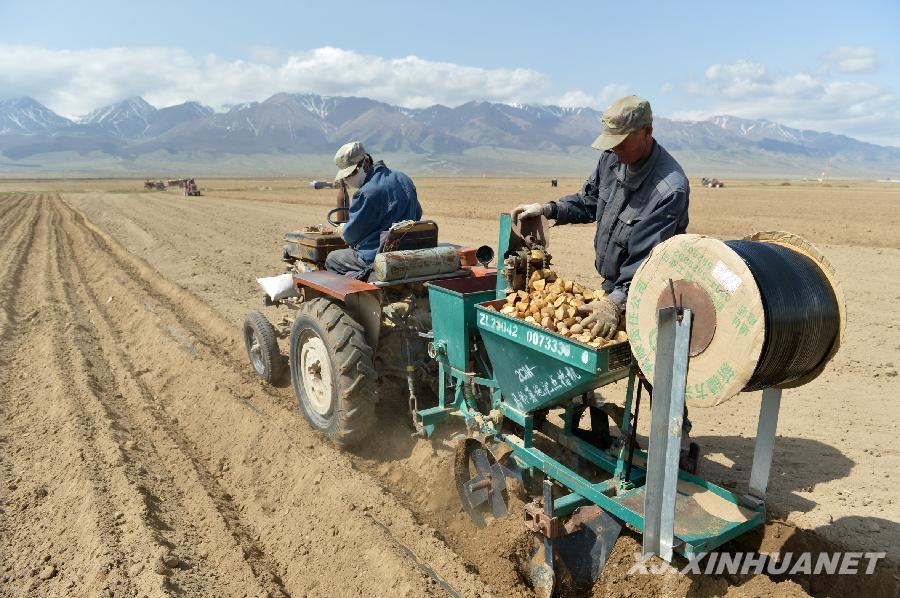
623 117
347 158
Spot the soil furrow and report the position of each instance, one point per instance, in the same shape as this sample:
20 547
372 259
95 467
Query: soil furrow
164 457
9 203
120 507
15 246
90 525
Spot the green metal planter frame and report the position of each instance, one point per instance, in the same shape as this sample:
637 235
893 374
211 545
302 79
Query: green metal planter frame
525 370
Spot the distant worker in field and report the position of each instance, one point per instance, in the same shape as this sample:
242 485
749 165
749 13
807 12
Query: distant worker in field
383 197
638 196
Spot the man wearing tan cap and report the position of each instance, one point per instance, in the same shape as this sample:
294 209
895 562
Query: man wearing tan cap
638 196
383 197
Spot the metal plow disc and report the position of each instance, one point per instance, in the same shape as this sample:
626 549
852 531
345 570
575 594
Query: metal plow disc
480 481
583 551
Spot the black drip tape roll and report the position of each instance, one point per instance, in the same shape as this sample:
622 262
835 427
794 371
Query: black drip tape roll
801 312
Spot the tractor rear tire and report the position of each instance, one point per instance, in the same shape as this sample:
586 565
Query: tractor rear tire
332 372
261 343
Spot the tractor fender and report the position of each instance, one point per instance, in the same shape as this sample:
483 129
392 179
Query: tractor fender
366 309
361 299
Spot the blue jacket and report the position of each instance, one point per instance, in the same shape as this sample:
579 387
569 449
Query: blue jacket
634 213
386 197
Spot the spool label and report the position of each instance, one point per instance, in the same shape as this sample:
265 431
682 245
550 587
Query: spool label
727 279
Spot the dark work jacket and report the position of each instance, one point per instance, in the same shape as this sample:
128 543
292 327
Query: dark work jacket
655 208
385 198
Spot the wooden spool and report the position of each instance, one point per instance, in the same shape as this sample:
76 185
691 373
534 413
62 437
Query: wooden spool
729 326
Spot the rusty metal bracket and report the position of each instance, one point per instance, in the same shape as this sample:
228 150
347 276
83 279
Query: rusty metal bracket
539 522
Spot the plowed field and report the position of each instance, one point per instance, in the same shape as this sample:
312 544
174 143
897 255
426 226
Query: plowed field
139 456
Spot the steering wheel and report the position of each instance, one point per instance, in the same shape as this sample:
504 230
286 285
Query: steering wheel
330 212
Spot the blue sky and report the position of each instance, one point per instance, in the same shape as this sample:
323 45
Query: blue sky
820 65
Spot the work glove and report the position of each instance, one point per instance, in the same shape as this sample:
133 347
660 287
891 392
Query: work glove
603 317
526 210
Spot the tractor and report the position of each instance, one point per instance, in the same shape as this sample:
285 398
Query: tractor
190 188
354 342
427 325
157 185
712 183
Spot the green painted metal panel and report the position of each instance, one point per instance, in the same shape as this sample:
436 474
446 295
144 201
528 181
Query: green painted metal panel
502 251
537 368
571 480
694 546
629 507
453 313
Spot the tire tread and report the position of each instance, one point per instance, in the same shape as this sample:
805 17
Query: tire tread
351 363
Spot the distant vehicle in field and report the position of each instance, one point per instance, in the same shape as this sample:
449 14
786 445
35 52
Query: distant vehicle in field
177 183
554 182
321 184
158 185
190 188
711 182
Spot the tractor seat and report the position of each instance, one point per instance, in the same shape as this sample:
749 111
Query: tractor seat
409 234
415 240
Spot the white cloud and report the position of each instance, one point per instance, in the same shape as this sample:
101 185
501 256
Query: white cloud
612 91
73 82
577 98
574 99
265 54
814 99
852 60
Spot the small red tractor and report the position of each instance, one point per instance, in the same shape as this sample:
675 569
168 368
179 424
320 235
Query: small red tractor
712 183
157 185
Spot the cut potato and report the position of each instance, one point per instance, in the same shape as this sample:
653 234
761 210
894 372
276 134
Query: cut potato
552 303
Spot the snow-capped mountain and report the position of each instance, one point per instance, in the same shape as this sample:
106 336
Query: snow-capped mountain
26 116
128 118
288 123
757 129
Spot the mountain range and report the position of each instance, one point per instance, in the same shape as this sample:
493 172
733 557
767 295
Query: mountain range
298 133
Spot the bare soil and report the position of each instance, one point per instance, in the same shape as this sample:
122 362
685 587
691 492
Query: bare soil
139 456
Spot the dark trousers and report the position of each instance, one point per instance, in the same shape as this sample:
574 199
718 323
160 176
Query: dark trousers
342 261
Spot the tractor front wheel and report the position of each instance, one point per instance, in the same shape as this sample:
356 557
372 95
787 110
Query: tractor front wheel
262 347
332 372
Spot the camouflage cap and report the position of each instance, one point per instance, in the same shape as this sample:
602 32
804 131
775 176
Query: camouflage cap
347 158
623 117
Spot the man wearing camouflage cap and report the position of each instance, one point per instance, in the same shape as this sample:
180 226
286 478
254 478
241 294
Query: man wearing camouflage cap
383 197
638 196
